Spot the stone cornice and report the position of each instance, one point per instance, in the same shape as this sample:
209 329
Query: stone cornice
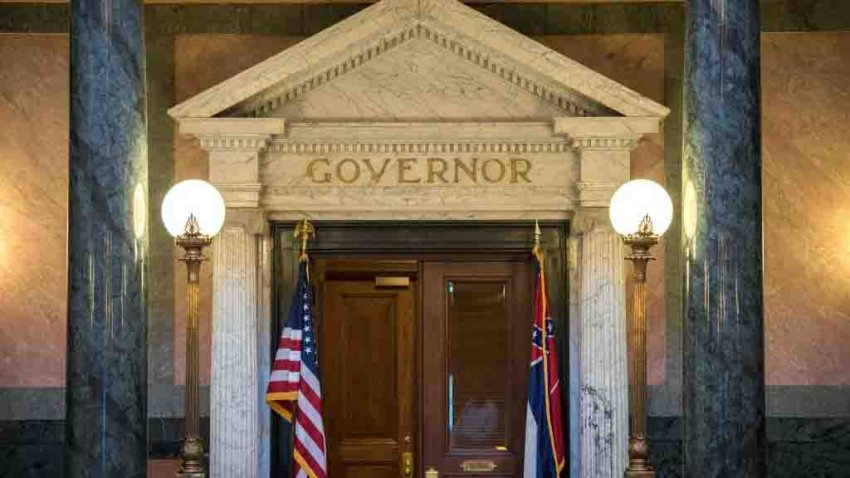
603 143
606 126
226 134
379 137
230 142
232 126
605 133
444 147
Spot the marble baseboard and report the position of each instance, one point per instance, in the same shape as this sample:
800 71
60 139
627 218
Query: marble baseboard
36 448
32 448
810 447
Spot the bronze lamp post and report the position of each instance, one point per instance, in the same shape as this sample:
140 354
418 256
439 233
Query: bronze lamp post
641 211
193 212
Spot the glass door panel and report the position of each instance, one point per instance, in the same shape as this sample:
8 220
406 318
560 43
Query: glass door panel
478 358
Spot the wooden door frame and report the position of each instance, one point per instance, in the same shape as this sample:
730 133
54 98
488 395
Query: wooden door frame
443 240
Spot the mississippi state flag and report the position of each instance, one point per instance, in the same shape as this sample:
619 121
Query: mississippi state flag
544 437
294 390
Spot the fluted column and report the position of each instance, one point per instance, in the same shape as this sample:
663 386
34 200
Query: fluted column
106 394
604 427
234 391
724 335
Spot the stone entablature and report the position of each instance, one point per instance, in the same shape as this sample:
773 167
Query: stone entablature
450 169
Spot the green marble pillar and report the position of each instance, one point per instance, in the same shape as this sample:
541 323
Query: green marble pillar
723 331
106 433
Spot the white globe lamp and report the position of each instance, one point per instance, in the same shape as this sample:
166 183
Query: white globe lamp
637 200
193 198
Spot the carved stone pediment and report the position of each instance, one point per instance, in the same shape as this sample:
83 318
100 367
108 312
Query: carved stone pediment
419 80
428 41
418 108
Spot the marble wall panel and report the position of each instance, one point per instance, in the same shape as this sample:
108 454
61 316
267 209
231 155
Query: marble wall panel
806 189
202 61
636 61
802 141
33 209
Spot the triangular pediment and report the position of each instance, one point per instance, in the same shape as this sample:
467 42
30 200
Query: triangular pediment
418 81
418 60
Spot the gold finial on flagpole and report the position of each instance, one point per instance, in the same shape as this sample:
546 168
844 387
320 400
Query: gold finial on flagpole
537 233
304 230
537 251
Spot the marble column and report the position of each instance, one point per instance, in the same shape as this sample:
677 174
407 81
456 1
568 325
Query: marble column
604 425
105 428
234 391
724 338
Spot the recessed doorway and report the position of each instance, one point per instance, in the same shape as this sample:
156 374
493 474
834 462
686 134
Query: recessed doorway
424 333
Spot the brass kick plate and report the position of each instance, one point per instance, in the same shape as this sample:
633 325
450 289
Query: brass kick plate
478 465
401 281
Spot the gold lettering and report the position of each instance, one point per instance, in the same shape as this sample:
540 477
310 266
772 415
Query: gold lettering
311 171
433 172
470 171
484 170
515 171
376 175
404 165
356 170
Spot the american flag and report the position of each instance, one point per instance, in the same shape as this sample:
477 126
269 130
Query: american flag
294 390
544 435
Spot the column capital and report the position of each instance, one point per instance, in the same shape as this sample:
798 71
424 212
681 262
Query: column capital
233 134
251 220
235 147
604 146
585 219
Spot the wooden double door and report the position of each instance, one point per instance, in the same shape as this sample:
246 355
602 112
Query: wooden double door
424 365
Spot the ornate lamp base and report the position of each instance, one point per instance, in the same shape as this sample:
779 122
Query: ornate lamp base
192 452
639 466
640 473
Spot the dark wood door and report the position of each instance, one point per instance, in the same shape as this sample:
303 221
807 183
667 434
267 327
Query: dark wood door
476 331
367 366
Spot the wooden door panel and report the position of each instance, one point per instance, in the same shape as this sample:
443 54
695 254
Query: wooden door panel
367 375
367 372
476 330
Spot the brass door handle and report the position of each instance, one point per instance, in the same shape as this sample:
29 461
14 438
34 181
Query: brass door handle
432 473
407 463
